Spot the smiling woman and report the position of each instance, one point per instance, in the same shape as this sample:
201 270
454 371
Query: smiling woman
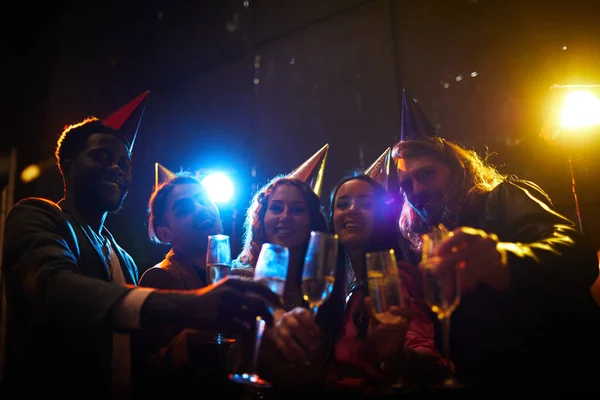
283 212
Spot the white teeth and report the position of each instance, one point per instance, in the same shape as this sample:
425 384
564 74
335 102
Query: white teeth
111 184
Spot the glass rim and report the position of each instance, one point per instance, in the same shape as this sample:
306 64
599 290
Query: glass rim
325 234
274 246
218 236
390 252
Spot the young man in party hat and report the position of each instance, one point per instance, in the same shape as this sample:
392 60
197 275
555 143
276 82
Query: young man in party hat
70 288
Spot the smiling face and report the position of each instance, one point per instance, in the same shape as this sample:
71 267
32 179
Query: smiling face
425 181
287 218
190 217
100 174
354 213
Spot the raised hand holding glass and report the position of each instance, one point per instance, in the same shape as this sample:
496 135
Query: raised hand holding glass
271 269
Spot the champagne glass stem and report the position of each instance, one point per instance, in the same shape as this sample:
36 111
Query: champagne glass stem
260 330
314 310
445 321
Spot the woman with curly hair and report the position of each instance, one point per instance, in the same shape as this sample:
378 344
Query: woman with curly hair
283 212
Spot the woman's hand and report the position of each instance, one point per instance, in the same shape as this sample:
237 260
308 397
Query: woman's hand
387 330
295 334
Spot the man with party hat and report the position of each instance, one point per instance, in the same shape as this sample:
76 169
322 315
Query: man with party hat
71 289
523 266
182 216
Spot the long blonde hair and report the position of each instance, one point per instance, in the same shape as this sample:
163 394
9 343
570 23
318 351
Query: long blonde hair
472 177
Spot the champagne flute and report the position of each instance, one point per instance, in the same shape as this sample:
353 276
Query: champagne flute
441 288
218 264
271 269
318 275
384 286
384 283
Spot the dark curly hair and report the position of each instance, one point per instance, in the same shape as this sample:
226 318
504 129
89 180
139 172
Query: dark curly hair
72 140
254 230
157 205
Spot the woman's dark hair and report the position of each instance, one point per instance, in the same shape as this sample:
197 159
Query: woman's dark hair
386 235
157 205
387 211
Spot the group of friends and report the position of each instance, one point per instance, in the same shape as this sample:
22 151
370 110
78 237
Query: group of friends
80 318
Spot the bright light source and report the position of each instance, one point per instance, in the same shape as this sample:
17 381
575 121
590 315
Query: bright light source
31 173
219 187
581 109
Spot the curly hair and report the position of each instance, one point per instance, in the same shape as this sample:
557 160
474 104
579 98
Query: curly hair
157 204
254 230
471 176
72 140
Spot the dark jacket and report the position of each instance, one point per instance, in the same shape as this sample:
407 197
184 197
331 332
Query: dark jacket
59 298
541 330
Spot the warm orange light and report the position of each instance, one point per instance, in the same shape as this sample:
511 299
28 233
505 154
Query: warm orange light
31 173
581 109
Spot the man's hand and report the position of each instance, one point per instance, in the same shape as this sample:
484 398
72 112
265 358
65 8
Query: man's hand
478 256
296 335
229 306
232 305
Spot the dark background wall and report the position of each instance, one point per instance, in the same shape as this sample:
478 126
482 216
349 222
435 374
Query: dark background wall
327 72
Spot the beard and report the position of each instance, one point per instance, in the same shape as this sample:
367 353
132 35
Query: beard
100 198
429 209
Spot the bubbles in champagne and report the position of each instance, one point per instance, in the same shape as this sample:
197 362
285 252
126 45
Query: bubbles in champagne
384 290
441 289
216 272
317 290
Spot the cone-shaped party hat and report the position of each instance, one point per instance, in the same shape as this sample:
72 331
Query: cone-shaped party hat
379 171
161 174
415 124
127 119
312 170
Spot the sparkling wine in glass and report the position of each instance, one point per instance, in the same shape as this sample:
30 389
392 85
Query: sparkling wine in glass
318 275
271 269
218 264
384 287
440 287
384 283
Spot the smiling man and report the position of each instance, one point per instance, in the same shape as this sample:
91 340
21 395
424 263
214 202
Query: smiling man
71 296
182 216
522 266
